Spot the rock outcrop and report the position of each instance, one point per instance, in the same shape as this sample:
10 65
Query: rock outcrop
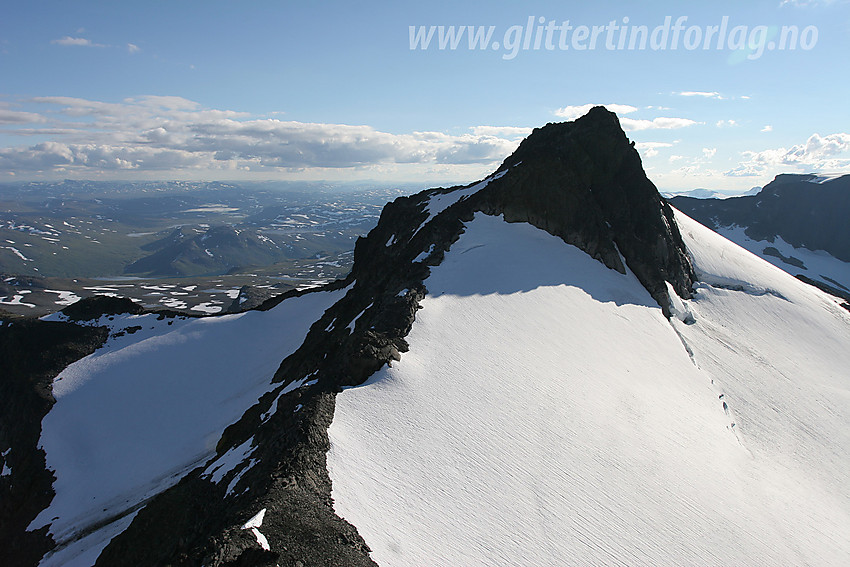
32 354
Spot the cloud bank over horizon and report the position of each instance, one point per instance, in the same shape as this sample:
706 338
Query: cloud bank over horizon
169 134
148 137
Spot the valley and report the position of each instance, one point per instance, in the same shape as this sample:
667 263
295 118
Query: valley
185 246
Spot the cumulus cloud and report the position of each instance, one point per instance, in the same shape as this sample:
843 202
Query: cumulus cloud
133 48
650 149
69 41
726 123
818 154
628 124
767 128
156 133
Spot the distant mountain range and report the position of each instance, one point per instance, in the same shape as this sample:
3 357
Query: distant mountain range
797 222
549 366
189 251
708 194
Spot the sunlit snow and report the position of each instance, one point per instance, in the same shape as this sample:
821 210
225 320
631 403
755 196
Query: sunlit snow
548 414
816 264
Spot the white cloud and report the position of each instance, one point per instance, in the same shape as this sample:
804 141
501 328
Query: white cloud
628 124
650 149
18 117
704 94
156 133
709 152
509 132
661 123
726 123
829 153
133 48
573 112
767 128
75 42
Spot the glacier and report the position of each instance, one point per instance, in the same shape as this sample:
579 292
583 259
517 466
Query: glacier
548 413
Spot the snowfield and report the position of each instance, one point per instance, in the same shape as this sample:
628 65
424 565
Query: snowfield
548 414
132 418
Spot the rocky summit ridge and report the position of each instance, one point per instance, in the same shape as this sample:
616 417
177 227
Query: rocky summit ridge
581 181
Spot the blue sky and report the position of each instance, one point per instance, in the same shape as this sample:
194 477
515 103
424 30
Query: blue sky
333 90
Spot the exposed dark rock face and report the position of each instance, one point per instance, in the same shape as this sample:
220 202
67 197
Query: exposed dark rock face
581 181
197 523
32 354
796 208
94 307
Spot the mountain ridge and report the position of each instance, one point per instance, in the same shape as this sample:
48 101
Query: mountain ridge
558 180
272 462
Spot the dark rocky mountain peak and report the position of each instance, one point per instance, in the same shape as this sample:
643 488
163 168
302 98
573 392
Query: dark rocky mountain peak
581 181
584 181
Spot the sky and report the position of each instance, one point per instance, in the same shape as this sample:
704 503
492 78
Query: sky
722 95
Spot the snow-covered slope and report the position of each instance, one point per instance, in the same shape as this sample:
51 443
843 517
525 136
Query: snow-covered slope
796 222
816 264
140 412
547 413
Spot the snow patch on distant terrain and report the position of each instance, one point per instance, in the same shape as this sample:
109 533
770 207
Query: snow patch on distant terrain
817 264
17 299
820 179
547 413
18 253
65 297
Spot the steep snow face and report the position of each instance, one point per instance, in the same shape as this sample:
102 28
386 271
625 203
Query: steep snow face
134 416
780 352
547 413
